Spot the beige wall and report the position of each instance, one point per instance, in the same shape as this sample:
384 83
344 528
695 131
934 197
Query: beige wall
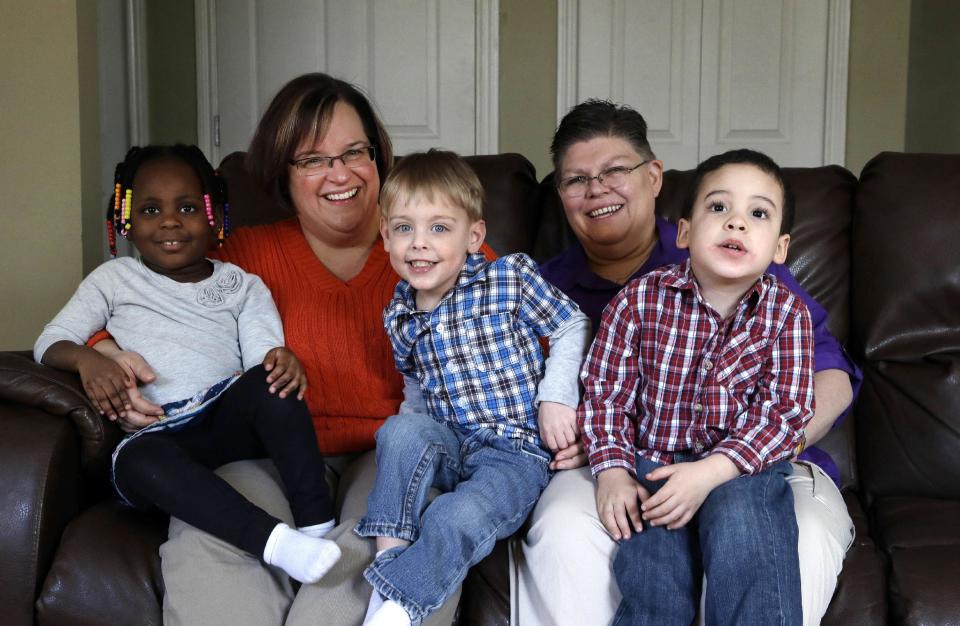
42 132
933 97
528 79
877 95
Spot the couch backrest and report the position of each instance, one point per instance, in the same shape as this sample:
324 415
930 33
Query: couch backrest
906 324
511 207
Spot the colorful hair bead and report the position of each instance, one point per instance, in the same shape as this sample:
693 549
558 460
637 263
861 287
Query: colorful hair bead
127 209
116 201
208 205
111 238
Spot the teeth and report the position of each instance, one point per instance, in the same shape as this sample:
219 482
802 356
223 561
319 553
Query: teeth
421 263
343 196
605 210
731 246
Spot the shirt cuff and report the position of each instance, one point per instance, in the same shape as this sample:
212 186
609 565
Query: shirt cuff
610 457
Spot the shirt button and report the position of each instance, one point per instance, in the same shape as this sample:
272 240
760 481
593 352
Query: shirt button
698 447
439 328
452 367
707 365
698 407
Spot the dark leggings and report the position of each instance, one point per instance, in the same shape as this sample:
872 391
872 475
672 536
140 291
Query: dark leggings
173 470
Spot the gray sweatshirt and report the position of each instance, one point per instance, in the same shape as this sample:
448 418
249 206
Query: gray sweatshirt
193 335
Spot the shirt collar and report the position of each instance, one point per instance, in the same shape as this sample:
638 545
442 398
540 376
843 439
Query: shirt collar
681 277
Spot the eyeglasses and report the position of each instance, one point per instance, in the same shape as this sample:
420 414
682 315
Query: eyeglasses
611 178
316 164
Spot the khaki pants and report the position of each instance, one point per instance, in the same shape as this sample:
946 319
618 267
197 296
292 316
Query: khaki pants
209 581
561 572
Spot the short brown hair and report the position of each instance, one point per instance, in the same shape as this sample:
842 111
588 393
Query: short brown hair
600 118
302 110
431 175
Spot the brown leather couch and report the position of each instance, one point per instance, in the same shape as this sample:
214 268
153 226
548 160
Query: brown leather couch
880 253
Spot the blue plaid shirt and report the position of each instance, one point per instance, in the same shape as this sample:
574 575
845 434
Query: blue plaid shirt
477 355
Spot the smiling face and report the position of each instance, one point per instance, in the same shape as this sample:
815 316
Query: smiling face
428 244
169 223
340 204
734 228
605 217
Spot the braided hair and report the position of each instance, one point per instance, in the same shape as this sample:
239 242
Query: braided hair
119 206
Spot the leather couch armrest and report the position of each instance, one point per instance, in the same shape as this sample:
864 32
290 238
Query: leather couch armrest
58 393
40 479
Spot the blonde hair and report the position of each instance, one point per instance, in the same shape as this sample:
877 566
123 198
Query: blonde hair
431 176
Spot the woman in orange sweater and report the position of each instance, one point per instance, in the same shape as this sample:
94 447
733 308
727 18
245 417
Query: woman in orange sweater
322 151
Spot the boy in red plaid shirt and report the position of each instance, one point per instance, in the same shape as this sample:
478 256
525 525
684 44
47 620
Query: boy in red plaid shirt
696 392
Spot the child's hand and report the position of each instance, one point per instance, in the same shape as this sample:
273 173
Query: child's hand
558 425
104 381
286 372
618 502
687 486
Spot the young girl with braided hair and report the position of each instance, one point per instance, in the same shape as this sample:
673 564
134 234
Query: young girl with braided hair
229 388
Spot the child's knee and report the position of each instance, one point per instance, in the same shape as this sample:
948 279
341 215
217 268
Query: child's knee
403 430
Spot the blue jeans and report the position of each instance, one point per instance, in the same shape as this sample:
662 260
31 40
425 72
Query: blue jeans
488 483
744 537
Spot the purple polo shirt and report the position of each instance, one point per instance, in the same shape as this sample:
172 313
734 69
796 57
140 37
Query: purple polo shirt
571 273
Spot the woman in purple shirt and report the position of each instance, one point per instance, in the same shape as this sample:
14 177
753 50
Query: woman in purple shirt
564 563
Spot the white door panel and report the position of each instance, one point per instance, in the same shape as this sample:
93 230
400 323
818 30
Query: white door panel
711 75
416 59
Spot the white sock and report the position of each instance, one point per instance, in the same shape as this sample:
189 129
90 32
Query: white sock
390 614
376 601
303 557
317 531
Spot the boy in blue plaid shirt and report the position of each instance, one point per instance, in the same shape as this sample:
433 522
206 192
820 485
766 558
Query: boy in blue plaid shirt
482 408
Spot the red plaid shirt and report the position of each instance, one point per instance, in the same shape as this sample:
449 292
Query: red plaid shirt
668 379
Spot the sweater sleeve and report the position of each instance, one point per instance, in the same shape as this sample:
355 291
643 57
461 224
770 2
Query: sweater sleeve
86 312
561 377
258 324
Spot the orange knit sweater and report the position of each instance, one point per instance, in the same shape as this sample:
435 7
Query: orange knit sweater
334 327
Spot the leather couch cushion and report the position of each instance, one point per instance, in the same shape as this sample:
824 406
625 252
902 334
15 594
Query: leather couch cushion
906 299
922 537
107 570
860 597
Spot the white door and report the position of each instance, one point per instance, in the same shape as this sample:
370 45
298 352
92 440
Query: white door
712 75
429 66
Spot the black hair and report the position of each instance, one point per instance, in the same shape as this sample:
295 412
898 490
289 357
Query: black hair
743 156
126 171
600 118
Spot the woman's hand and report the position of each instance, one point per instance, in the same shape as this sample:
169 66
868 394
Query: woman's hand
141 413
571 457
619 497
138 411
286 372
